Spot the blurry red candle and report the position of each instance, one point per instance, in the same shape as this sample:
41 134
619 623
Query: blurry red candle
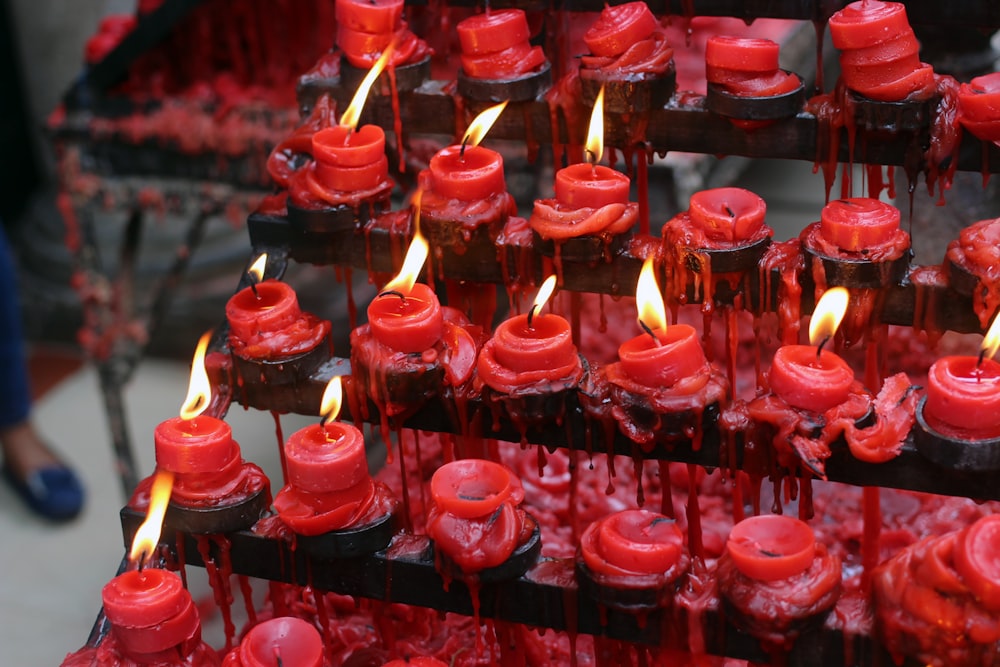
979 106
349 160
495 45
976 560
277 642
202 444
859 223
632 541
150 612
324 458
771 547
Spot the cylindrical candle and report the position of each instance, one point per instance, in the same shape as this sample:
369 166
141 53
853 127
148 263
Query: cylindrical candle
273 307
859 223
619 27
810 381
674 355
410 323
476 173
371 16
495 45
203 444
727 214
326 458
349 160
150 611
544 344
771 547
470 488
590 186
632 540
278 642
963 397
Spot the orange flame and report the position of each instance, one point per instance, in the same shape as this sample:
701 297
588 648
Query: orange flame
333 398
544 292
595 134
828 314
199 393
256 269
482 124
991 341
413 263
352 114
648 300
148 535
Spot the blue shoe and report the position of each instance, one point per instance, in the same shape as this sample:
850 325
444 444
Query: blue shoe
53 492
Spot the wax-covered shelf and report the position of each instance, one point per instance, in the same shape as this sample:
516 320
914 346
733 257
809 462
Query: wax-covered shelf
545 597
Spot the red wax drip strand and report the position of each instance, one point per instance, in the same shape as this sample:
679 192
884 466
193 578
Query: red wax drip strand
281 444
324 623
420 466
247 592
666 495
405 490
643 156
694 515
218 578
397 119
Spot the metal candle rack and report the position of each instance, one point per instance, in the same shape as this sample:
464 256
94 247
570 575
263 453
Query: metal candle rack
542 598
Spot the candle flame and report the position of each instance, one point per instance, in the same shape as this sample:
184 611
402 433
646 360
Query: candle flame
595 134
991 341
482 124
413 263
352 114
333 398
256 269
648 300
148 535
544 292
829 313
199 393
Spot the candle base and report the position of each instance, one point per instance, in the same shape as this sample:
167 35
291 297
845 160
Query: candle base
631 593
892 117
520 561
308 220
537 407
465 246
851 270
954 453
399 384
354 541
522 89
587 249
737 259
289 371
776 107
632 93
219 518
963 280
409 77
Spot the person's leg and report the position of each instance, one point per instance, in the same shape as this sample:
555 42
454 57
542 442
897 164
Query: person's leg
29 465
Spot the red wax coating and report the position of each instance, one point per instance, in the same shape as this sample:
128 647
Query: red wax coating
545 345
416 662
867 22
963 397
200 445
619 27
590 186
979 99
411 324
809 381
280 641
859 223
493 31
977 559
771 547
728 214
371 16
635 540
328 458
507 64
143 599
471 488
678 355
274 307
347 160
473 175
742 54
178 630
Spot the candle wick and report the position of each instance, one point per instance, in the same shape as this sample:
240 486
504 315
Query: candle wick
822 343
277 657
730 211
982 355
531 314
253 288
461 151
645 327
142 561
392 292
591 156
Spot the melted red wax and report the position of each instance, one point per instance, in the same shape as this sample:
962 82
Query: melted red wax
232 484
110 654
899 243
314 514
302 334
553 220
977 251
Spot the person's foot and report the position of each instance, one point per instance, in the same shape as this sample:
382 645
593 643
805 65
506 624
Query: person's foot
46 484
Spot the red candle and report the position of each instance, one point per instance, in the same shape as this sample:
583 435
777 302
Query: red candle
674 355
409 323
544 344
963 397
470 488
636 541
150 611
495 45
590 186
277 642
202 444
771 547
976 560
747 55
273 306
728 214
347 160
420 661
371 16
326 458
859 223
619 27
473 174
810 381
979 106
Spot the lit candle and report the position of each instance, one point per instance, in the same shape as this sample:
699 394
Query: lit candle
663 356
771 547
278 642
495 45
810 377
632 542
963 392
730 215
469 172
859 224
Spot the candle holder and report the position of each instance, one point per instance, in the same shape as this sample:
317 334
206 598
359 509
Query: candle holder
409 77
222 518
332 219
852 270
587 249
358 540
535 407
775 107
291 370
955 453
892 117
462 235
521 89
629 94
